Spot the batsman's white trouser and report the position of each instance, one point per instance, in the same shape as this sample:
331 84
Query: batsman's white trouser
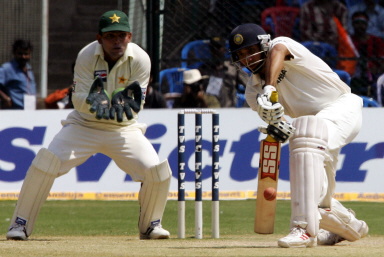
343 120
153 196
37 184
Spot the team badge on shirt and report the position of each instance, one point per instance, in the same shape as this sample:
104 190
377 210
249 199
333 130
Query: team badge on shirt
122 80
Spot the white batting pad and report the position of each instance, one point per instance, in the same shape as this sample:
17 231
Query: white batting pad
342 222
37 184
307 174
153 196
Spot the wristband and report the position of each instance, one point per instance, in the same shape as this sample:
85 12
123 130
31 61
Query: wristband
268 89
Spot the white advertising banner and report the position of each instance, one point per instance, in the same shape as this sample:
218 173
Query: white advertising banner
22 133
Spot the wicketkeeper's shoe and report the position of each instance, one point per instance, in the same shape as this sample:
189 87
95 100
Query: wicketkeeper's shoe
17 232
298 237
156 232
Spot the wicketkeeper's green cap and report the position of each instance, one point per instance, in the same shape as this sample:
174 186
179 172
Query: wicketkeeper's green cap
114 21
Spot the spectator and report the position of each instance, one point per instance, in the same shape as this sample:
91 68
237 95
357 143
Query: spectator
380 91
317 20
153 98
224 78
194 95
5 100
17 81
371 49
375 13
61 98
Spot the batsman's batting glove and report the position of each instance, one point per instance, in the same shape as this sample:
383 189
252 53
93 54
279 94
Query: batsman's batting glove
281 132
122 102
98 99
270 112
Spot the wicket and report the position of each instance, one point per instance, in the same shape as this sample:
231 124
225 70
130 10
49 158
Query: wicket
198 172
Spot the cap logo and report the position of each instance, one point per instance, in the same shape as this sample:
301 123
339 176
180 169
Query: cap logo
115 18
238 39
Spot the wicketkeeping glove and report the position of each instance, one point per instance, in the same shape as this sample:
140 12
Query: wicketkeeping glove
98 99
122 102
281 132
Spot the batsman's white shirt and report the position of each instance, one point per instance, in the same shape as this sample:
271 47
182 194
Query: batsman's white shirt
308 86
83 135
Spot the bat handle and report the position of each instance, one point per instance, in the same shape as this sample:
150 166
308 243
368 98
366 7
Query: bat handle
274 97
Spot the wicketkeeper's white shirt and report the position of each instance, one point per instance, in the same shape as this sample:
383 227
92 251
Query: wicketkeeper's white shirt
134 65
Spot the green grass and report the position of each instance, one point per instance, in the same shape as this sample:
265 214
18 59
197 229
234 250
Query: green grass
117 218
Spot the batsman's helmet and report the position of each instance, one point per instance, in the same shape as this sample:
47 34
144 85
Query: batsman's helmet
246 35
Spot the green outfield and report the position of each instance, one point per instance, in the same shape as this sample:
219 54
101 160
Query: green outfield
99 228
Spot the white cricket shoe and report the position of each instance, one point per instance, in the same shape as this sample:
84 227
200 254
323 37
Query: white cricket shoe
156 232
17 232
325 237
363 231
298 237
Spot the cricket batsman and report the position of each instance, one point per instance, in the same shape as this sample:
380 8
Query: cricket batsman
111 76
326 117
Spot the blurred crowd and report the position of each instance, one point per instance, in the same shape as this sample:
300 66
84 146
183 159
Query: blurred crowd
354 29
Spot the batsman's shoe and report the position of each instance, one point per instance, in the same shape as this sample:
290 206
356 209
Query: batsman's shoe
325 237
298 237
17 232
363 231
156 232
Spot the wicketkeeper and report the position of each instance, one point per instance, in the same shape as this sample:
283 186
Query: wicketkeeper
327 116
111 77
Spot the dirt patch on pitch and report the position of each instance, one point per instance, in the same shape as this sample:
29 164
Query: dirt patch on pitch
226 246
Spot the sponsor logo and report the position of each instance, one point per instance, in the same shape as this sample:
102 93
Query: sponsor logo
269 164
101 74
244 151
281 76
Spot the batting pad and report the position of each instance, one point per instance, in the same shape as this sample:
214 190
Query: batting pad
37 184
307 174
342 222
153 196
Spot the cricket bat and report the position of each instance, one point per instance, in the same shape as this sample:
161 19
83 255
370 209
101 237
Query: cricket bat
267 178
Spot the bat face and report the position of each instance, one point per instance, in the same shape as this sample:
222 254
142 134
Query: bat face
267 180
